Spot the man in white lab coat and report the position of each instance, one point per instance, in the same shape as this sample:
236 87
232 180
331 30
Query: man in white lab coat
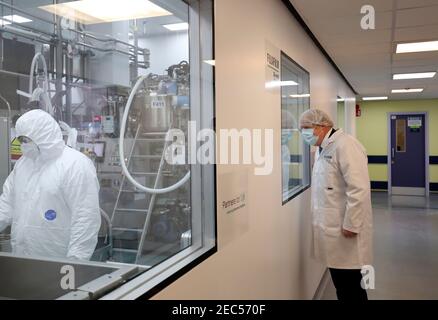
51 198
341 203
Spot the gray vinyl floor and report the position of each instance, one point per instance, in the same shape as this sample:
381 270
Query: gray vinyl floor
405 249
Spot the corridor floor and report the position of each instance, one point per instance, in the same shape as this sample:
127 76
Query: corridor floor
405 248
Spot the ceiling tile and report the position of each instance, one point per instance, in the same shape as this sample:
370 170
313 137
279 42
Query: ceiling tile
346 49
417 17
330 26
356 39
367 58
338 8
412 34
403 4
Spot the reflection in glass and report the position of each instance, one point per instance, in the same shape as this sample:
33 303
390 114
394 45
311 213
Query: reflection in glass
78 60
294 153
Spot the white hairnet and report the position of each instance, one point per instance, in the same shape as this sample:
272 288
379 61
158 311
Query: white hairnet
315 117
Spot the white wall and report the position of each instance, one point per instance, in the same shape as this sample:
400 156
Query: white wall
269 258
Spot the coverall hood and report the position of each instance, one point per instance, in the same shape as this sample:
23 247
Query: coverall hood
52 202
42 128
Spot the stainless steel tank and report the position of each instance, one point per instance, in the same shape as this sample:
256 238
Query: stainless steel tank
156 112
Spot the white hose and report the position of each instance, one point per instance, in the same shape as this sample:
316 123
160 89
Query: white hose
122 150
37 56
72 134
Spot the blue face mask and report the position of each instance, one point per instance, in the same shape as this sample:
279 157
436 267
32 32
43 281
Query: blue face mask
309 137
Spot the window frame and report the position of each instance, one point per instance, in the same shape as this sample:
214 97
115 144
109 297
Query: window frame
203 192
202 93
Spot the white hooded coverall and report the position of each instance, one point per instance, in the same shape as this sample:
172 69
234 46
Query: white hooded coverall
52 202
341 198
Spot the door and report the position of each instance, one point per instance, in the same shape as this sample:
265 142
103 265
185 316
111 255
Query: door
408 154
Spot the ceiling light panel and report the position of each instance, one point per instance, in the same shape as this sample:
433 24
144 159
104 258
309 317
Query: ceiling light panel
99 11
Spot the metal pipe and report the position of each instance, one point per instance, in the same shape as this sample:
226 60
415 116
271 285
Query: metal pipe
132 48
135 71
42 38
26 32
107 219
39 56
9 120
68 96
2 51
140 51
19 33
104 50
26 28
106 39
8 105
73 84
14 73
59 65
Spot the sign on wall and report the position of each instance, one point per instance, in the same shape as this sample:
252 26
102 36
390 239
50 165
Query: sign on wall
233 192
272 67
233 206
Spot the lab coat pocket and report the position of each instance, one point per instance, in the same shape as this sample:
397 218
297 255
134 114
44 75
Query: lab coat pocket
332 232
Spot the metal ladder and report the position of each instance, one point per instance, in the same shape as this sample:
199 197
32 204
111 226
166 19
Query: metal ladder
118 210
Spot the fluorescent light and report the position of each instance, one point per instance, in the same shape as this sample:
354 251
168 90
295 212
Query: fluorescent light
340 100
417 47
177 26
417 75
305 95
210 62
275 84
98 11
288 83
407 90
13 18
374 98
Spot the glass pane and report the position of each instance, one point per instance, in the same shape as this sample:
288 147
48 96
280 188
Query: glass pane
295 154
401 135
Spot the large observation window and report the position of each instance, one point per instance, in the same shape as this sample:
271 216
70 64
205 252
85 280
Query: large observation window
295 93
116 76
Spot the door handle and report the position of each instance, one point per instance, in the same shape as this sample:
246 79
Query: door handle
393 153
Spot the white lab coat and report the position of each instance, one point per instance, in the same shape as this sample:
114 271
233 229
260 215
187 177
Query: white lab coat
341 198
52 202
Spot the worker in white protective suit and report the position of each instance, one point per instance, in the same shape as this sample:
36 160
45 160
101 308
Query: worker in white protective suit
341 203
51 198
